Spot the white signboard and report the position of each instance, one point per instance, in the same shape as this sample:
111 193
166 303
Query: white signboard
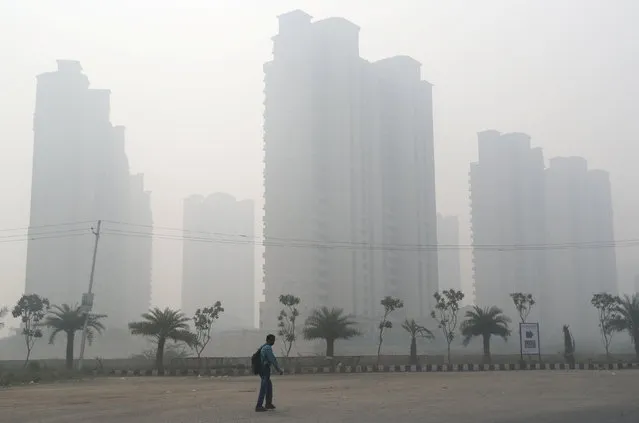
87 300
529 336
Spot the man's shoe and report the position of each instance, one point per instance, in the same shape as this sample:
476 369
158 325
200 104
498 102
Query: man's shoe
260 409
270 407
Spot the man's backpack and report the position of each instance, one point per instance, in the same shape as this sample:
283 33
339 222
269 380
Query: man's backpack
256 361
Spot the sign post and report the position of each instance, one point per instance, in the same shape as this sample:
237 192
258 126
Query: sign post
529 340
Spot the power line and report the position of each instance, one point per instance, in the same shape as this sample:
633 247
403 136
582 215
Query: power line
244 239
269 239
33 235
25 228
43 237
322 245
191 231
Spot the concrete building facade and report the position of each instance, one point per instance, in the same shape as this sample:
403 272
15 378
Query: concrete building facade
81 174
579 229
219 258
544 231
507 210
349 174
448 253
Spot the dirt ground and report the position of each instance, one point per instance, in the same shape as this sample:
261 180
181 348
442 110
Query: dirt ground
513 397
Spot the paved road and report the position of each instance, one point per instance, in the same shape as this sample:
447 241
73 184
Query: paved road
499 397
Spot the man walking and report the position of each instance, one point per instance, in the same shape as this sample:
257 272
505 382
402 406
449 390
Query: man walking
267 359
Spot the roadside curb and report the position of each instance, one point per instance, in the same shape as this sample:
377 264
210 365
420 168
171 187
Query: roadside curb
428 368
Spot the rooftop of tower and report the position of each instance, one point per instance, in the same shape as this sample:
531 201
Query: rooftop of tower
568 163
65 65
295 14
336 20
214 197
297 17
298 20
401 66
574 164
400 59
69 71
493 134
489 132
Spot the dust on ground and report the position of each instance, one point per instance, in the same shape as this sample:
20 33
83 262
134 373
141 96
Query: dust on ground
532 396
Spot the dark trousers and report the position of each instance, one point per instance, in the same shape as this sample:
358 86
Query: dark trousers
266 387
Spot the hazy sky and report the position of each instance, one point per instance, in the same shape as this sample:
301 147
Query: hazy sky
186 80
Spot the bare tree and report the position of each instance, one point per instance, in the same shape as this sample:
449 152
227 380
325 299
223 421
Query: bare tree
445 313
286 321
390 304
523 303
203 323
31 309
606 306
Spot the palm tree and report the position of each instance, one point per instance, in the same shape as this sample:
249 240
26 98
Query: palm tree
415 330
485 322
628 310
330 325
162 325
68 319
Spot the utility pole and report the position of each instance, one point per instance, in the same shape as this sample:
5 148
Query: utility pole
87 299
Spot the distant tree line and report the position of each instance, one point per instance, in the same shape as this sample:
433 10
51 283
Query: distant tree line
615 314
36 313
331 324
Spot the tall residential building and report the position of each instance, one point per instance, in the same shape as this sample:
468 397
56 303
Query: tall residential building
448 252
578 213
507 210
349 174
81 174
219 258
139 248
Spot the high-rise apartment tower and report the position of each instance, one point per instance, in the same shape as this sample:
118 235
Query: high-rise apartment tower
81 174
349 174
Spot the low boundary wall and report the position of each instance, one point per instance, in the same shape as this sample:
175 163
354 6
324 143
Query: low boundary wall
428 368
215 365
